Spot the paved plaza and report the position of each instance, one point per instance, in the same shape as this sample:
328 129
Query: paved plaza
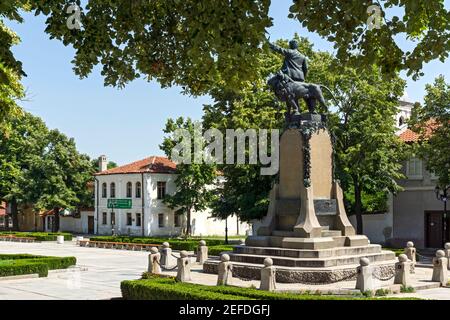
99 272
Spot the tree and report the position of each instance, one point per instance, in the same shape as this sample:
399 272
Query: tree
368 153
346 23
432 122
203 44
41 167
60 177
189 43
20 147
194 181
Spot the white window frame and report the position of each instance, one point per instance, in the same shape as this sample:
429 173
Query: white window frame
414 176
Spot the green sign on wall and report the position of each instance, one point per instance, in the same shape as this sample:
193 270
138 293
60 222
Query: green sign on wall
119 203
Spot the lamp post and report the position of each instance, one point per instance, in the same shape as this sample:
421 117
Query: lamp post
113 222
442 195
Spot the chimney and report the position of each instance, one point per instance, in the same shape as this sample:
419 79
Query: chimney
102 163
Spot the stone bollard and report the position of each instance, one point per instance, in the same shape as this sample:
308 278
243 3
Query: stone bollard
166 256
440 264
60 239
154 261
202 252
410 252
225 271
79 239
403 271
364 280
184 267
268 276
447 254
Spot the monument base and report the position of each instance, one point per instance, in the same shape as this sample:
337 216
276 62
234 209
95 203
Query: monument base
307 266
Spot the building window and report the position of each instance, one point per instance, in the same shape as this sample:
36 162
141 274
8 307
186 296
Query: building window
177 220
161 187
113 218
112 191
104 218
138 220
104 190
414 168
138 189
129 189
129 219
401 121
161 220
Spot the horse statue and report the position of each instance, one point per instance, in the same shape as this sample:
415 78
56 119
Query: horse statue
290 91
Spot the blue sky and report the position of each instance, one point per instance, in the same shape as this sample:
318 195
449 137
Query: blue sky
127 124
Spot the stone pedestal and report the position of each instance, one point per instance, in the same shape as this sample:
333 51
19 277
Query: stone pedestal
202 252
184 267
225 271
403 271
440 272
364 281
306 231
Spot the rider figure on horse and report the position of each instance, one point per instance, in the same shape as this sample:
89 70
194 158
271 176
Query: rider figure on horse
295 64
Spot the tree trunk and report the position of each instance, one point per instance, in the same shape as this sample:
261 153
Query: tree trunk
15 214
56 220
358 207
188 224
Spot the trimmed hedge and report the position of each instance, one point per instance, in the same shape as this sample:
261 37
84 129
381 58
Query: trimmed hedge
19 264
216 250
167 288
176 244
40 236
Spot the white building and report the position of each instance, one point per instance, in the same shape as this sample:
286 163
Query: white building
129 199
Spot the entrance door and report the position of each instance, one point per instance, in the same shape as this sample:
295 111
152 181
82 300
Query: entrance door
435 229
90 224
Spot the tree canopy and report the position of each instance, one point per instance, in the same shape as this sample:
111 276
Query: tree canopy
432 122
194 181
59 173
203 44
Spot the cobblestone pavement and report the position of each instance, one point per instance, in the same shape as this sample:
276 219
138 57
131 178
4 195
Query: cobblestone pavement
106 268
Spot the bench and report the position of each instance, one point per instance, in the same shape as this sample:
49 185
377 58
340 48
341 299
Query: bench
17 239
118 245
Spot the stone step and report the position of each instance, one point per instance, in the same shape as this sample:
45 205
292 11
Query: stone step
308 253
312 262
325 227
331 233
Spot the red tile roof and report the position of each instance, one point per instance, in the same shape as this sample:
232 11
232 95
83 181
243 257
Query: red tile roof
152 164
410 136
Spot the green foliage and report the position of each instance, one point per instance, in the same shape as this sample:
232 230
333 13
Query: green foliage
382 292
165 288
432 122
369 155
345 23
32 152
404 289
194 44
39 236
216 250
194 177
18 264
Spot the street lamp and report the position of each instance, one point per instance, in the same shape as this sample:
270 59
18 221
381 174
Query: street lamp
442 195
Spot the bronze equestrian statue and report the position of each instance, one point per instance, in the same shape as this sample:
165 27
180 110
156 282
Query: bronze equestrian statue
288 83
